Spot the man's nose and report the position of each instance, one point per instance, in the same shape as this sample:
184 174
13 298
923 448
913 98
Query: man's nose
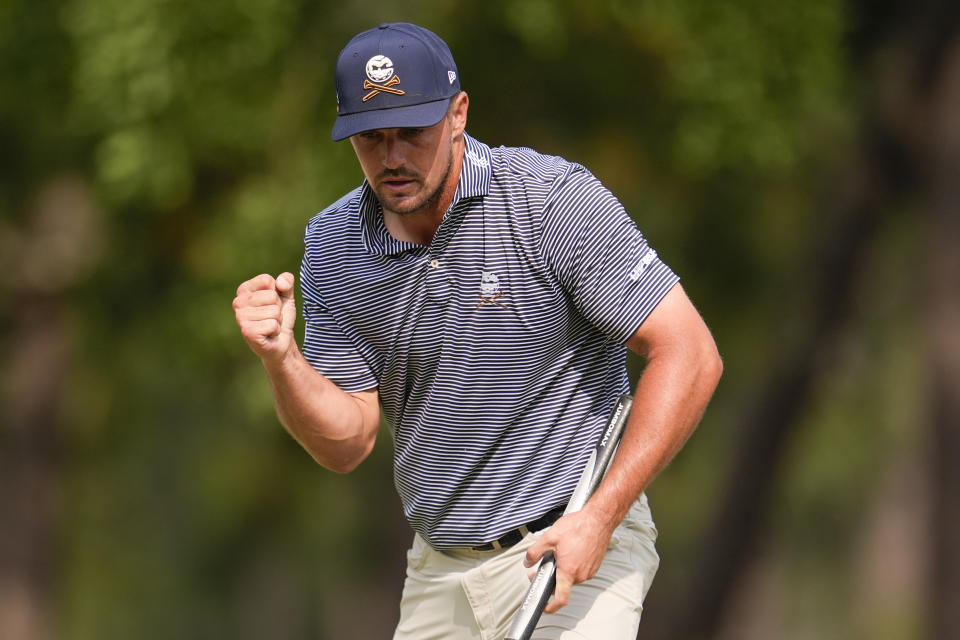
393 156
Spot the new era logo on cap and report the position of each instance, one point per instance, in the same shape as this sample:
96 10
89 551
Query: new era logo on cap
394 75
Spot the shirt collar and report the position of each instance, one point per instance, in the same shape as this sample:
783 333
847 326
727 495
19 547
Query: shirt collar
475 176
477 170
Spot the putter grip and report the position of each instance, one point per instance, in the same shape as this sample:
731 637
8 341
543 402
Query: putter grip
540 591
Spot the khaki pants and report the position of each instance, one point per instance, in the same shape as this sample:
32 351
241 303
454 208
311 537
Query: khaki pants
472 595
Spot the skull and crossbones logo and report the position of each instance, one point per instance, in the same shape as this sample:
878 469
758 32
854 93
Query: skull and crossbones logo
490 289
381 77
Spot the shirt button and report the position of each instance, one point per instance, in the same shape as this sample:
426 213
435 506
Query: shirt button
434 263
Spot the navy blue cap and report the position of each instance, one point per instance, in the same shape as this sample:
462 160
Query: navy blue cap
394 75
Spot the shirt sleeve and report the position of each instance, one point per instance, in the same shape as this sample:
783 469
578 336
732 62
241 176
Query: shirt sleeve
326 346
601 259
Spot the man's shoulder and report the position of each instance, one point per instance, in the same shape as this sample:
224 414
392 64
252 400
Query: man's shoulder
531 166
336 213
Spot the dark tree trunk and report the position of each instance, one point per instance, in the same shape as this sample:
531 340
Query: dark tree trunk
28 468
57 248
943 326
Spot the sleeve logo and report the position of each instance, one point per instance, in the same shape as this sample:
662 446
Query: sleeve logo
645 261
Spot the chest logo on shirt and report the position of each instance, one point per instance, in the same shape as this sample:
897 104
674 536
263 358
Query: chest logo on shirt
490 292
381 77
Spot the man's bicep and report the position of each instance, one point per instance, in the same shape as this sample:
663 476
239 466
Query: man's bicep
673 323
600 257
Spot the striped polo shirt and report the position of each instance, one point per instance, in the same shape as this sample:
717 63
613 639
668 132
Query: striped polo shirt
498 351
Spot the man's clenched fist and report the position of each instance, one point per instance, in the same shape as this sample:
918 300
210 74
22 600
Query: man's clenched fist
266 312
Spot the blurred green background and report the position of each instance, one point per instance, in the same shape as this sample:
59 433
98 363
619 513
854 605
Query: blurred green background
797 162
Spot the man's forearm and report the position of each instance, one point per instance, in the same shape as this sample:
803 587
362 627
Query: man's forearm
338 429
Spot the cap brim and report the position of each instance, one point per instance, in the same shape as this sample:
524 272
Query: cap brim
416 115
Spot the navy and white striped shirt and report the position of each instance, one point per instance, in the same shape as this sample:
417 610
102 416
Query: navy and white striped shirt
498 350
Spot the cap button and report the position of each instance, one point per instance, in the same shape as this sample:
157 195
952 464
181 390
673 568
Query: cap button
385 25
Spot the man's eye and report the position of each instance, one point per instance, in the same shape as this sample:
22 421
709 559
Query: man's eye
412 133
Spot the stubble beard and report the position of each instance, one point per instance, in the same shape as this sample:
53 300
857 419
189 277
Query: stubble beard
420 204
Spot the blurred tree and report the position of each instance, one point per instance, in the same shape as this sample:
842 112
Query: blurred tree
911 53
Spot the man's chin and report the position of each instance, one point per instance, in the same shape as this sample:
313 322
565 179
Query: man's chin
401 204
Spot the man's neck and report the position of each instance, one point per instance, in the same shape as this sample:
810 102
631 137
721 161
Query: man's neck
418 227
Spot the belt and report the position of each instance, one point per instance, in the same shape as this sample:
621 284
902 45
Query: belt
514 536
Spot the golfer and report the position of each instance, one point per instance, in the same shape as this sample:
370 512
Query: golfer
483 300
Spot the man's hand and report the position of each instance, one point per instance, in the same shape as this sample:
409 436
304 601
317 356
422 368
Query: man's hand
579 541
338 429
266 313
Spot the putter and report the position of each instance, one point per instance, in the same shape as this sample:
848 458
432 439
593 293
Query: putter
527 616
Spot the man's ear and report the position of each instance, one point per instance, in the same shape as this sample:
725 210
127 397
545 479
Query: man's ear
459 105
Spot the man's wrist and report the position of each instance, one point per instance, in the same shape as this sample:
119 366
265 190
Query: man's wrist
283 365
605 514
